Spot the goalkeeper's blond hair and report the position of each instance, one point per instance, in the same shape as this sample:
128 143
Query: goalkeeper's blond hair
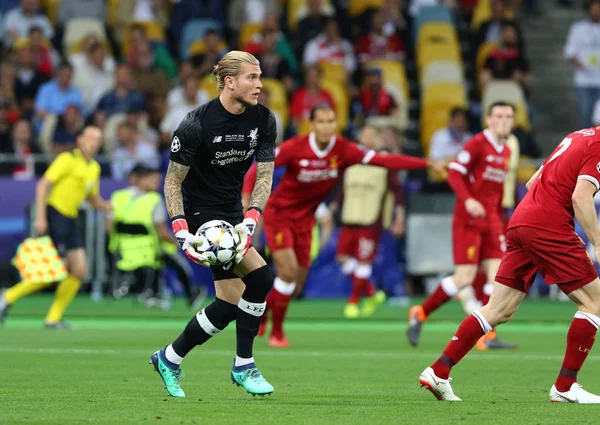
230 65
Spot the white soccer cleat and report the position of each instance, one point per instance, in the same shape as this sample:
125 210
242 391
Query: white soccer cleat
440 388
575 395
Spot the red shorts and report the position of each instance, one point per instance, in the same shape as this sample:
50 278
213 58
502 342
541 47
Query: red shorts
471 244
358 242
561 260
297 237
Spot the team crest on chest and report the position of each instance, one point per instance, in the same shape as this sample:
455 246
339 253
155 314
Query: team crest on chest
253 137
175 144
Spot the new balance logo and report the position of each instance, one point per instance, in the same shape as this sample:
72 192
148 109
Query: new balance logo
217 139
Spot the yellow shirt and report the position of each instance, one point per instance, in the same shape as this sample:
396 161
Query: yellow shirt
73 179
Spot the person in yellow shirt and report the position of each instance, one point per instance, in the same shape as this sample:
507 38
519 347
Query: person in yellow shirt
72 178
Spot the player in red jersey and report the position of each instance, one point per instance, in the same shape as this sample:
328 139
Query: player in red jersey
477 178
541 237
314 165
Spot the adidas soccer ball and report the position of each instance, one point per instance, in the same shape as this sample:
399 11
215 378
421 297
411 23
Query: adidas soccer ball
222 240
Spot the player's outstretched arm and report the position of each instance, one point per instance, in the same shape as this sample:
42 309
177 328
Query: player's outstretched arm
176 173
262 186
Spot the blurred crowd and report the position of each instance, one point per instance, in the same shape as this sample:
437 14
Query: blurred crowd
135 68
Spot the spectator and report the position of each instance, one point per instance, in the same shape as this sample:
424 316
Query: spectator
67 129
23 168
139 120
144 11
175 96
8 77
583 50
272 64
263 99
44 55
90 40
375 100
490 30
149 79
193 97
55 95
282 45
140 45
121 99
20 20
395 20
447 142
130 151
94 75
377 44
213 52
243 11
27 82
391 139
312 25
307 97
156 108
507 61
330 47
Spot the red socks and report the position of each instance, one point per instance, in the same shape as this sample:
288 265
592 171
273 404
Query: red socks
278 304
445 290
467 335
580 340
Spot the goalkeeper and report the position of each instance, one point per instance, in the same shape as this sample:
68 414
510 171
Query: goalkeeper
72 177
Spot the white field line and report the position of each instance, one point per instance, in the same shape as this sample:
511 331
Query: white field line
507 356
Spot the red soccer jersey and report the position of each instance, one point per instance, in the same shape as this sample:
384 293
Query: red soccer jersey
479 171
548 203
311 173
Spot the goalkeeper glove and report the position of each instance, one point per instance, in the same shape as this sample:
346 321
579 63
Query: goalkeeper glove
190 243
245 230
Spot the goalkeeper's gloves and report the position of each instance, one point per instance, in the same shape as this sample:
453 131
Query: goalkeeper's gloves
245 230
193 245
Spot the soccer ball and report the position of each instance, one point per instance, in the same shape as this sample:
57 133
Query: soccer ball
222 240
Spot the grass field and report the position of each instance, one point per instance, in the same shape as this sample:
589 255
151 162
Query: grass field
337 372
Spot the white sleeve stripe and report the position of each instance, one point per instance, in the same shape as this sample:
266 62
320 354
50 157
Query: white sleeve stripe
457 167
590 179
368 157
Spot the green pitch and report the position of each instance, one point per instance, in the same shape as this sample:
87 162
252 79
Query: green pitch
337 372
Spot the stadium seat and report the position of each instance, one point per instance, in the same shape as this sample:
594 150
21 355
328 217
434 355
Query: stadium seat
394 74
51 8
441 72
432 14
506 91
78 28
438 52
209 83
341 102
198 47
401 102
277 98
154 31
297 10
358 7
112 12
195 30
436 33
482 54
249 30
334 72
303 128
437 101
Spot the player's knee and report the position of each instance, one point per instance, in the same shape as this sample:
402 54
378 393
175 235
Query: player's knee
258 284
288 272
220 313
363 271
78 270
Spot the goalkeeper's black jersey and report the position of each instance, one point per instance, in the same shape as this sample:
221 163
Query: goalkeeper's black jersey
219 147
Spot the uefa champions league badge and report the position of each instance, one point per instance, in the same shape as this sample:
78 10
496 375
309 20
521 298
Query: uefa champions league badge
176 144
